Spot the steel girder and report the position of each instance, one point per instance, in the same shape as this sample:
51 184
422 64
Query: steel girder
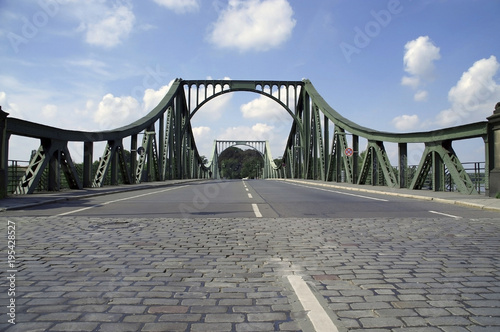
376 166
55 155
114 158
435 158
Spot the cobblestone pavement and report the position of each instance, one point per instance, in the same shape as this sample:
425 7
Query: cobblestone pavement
95 274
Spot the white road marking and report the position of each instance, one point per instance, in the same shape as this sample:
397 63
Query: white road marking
250 195
117 200
342 193
256 211
446 215
316 313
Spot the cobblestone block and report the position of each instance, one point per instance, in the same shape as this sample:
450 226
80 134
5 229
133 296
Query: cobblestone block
229 274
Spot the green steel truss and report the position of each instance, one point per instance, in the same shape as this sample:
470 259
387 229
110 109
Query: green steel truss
438 157
269 170
321 145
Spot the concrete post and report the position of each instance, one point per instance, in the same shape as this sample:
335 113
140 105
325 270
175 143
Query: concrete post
494 152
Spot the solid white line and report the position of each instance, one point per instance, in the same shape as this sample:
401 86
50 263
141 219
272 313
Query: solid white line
446 215
256 211
343 193
316 313
118 200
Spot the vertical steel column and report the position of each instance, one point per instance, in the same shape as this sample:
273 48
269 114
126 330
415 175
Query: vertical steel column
4 154
114 164
161 139
438 179
355 158
133 157
326 147
403 165
54 183
492 168
178 135
306 140
88 153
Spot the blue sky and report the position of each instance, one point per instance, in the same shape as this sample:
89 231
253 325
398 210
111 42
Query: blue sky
390 65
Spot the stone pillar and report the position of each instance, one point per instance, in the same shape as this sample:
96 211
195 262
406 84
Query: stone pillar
494 152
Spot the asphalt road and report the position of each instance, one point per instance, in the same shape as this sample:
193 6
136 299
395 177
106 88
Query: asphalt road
250 199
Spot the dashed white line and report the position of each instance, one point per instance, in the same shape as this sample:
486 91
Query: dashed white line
446 215
250 195
256 211
315 311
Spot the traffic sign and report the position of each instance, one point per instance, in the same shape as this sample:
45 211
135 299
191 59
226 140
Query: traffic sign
348 152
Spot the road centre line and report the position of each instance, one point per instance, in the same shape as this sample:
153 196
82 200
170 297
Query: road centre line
117 200
256 211
315 311
341 193
446 215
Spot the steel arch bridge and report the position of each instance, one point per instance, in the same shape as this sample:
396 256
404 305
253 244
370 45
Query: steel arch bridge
168 149
269 170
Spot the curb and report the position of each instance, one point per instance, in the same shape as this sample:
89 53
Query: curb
419 197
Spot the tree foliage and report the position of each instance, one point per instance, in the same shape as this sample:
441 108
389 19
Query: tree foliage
236 163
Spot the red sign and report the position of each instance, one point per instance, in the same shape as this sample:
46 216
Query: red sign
348 152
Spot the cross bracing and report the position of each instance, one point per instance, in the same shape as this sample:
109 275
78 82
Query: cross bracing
162 145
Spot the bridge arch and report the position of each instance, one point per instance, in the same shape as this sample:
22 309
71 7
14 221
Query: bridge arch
225 86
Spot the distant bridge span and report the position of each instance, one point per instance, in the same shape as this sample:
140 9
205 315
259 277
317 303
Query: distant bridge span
168 149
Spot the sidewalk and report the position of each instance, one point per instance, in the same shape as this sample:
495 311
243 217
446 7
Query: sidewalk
474 201
16 202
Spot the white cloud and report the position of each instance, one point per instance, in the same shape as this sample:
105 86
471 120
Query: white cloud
153 97
111 28
406 122
9 107
179 6
257 25
49 111
263 108
413 82
200 132
420 56
259 131
474 96
113 112
421 95
419 64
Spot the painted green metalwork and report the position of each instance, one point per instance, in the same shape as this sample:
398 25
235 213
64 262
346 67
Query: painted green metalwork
51 153
310 151
435 157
